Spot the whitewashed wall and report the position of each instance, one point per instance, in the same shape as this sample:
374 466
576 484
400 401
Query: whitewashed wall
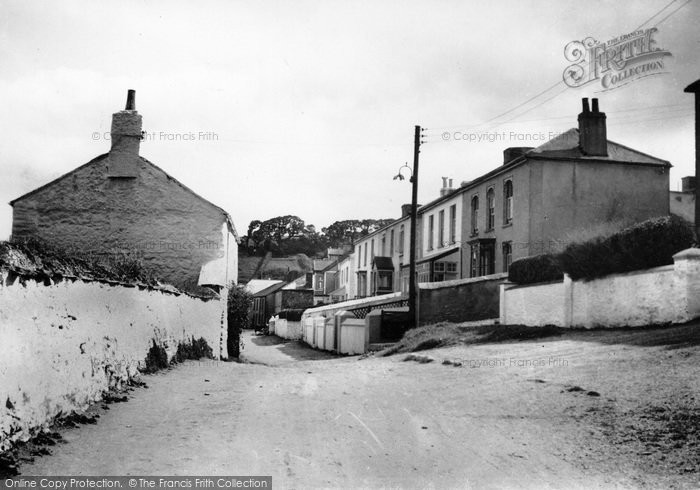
65 344
353 334
535 305
329 336
631 299
307 325
287 329
668 294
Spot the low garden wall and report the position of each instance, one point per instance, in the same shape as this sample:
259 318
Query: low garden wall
64 344
460 300
666 294
534 304
286 329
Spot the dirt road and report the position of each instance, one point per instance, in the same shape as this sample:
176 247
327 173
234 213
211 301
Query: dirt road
538 414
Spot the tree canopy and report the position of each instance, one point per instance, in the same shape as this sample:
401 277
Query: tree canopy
288 235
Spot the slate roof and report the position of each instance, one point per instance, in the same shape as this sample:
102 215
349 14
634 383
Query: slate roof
254 286
99 158
566 145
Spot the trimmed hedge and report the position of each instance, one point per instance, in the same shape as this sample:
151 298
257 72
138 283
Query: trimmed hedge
651 243
538 268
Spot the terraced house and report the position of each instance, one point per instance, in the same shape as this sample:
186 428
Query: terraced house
380 259
542 198
536 202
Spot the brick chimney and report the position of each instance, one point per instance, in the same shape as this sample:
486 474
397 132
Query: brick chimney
446 186
592 133
405 210
126 139
688 184
510 154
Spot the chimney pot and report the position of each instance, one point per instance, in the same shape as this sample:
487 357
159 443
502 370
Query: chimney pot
595 105
131 100
584 101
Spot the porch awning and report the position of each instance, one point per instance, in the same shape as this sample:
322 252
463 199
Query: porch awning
383 264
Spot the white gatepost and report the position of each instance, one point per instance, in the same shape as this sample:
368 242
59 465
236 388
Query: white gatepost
337 322
686 264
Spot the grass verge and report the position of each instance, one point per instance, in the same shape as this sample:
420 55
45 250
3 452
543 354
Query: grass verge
447 334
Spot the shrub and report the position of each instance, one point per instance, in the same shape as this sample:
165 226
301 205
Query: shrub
293 315
193 349
45 258
538 268
238 314
651 243
156 359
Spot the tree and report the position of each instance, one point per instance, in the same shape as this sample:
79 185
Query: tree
347 232
289 235
272 234
238 308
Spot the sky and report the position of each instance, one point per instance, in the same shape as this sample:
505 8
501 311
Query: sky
269 108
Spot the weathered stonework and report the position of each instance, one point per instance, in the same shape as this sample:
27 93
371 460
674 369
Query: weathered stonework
120 202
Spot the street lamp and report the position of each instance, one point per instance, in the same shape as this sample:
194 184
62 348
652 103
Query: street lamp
399 176
412 286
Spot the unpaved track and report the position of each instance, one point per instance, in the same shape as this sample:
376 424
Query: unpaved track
344 422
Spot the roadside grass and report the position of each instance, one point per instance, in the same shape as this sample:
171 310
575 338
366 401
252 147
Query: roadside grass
500 333
446 334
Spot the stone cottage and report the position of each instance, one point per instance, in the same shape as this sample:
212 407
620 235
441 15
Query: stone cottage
121 203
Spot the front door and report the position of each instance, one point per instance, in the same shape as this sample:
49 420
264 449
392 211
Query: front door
487 256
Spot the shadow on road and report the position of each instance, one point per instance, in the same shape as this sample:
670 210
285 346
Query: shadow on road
273 350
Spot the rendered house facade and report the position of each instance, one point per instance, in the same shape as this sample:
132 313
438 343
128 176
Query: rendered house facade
390 246
561 191
539 200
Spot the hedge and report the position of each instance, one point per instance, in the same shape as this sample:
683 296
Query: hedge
538 268
651 243
293 315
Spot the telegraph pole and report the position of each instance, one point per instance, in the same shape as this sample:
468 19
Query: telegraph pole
694 88
413 283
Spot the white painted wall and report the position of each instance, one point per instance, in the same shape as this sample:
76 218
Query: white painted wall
353 333
287 329
308 330
632 299
534 305
64 345
668 294
329 335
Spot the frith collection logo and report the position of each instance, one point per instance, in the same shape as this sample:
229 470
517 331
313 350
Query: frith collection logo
616 62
